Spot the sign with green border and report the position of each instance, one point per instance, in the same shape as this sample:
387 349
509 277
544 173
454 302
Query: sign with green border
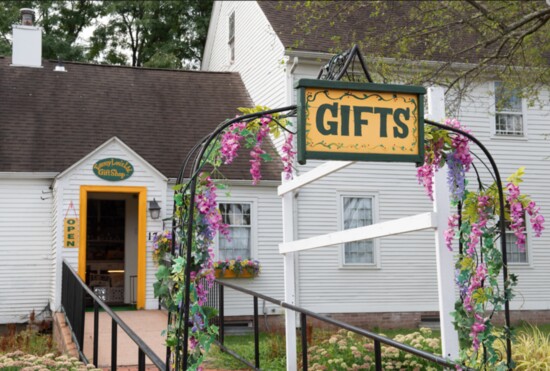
113 169
360 122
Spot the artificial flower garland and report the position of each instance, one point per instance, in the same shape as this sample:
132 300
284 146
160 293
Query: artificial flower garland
208 222
477 269
479 265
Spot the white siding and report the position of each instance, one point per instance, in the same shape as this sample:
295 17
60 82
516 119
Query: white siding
259 54
144 176
25 247
269 235
56 234
532 152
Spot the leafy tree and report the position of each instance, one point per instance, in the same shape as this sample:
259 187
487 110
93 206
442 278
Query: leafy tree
168 34
504 40
62 21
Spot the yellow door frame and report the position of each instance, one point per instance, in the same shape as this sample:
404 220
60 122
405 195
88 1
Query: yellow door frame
141 237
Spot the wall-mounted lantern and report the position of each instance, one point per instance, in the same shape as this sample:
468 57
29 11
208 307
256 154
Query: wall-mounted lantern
154 209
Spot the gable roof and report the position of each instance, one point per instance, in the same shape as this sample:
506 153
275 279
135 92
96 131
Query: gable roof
118 142
50 120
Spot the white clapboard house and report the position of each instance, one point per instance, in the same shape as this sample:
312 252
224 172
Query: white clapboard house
85 150
391 280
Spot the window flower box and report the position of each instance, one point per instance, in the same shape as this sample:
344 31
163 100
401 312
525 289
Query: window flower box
237 268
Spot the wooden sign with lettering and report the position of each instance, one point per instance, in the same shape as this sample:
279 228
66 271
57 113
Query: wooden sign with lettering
71 231
113 169
360 122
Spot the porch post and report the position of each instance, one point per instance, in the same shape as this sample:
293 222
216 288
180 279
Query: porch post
445 262
289 283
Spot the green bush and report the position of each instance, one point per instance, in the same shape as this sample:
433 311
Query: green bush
18 360
348 351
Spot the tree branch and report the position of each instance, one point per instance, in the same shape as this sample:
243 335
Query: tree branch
487 14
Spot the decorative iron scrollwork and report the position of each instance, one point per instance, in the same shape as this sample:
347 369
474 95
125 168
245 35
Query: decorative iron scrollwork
339 64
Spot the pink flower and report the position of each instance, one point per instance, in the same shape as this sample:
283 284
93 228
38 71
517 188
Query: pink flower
449 233
425 175
231 142
193 343
288 157
257 151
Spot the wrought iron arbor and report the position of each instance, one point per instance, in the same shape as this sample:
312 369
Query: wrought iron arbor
338 68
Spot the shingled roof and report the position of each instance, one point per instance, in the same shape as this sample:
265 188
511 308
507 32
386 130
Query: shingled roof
50 120
333 29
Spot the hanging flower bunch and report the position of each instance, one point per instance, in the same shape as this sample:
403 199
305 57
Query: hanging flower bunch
480 263
162 247
207 223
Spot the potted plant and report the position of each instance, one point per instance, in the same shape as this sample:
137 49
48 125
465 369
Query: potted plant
237 268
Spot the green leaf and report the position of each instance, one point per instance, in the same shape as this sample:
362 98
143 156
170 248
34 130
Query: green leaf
516 178
266 157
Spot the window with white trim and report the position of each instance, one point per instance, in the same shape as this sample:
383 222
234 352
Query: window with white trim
513 253
231 39
358 212
508 112
238 218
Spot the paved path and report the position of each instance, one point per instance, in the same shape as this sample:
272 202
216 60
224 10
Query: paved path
147 324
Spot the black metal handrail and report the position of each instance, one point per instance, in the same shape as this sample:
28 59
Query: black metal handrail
304 313
73 294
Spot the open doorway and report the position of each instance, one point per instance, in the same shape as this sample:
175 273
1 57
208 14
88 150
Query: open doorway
112 247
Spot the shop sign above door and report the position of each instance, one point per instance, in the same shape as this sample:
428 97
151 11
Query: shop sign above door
360 122
113 169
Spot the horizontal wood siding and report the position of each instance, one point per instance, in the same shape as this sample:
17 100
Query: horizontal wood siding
532 152
406 278
259 54
269 235
25 248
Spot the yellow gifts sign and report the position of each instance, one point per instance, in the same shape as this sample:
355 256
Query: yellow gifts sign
71 231
360 122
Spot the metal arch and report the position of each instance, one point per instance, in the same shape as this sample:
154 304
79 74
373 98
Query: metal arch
335 69
502 228
187 243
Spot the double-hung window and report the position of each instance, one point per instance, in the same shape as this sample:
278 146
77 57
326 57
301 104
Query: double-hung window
231 40
358 212
508 112
513 253
238 218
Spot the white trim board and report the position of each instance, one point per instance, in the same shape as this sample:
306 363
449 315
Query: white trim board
393 227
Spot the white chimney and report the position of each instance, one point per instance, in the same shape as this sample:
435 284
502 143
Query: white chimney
27 42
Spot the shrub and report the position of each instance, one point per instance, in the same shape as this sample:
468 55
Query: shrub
531 350
27 362
347 351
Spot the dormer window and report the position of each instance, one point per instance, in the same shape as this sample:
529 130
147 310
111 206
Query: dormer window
231 41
